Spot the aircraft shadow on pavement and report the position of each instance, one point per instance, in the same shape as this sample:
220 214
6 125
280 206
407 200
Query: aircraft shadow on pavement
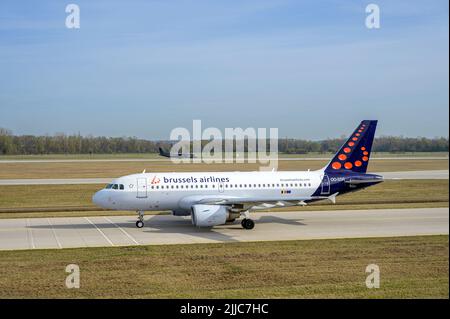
278 220
154 225
173 227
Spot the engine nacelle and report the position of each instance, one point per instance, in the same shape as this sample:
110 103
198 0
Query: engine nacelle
181 212
208 215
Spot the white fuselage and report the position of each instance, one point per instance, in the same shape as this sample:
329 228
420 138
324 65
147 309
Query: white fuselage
176 191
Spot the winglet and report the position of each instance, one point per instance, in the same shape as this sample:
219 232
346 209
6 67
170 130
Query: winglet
143 171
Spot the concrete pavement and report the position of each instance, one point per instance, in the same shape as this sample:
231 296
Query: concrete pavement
36 233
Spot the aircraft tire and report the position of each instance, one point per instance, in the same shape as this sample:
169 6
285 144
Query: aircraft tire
248 223
139 224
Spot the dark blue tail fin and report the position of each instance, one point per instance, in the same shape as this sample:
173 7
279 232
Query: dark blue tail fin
355 153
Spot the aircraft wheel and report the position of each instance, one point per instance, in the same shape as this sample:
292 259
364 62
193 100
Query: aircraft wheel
248 223
139 224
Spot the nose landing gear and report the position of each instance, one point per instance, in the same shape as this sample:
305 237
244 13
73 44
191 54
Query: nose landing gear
140 222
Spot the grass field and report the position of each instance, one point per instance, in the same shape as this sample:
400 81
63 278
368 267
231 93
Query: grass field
75 200
410 267
115 169
157 156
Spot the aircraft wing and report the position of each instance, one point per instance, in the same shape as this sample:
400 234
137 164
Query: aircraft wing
247 203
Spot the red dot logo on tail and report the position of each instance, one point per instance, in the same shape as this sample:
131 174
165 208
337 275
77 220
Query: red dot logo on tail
336 165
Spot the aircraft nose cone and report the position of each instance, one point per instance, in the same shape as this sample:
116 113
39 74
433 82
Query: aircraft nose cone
97 199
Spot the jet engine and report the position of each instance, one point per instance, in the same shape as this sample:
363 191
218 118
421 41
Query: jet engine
209 215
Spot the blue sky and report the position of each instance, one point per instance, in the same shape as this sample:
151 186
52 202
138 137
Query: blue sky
140 68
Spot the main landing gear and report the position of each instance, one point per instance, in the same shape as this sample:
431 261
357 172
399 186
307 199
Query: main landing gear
140 222
247 223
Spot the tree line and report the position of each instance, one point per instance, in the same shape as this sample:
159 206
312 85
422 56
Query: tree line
76 144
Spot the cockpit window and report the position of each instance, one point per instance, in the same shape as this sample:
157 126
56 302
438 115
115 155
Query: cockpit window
115 186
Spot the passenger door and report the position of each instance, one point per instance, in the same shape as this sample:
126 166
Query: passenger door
141 188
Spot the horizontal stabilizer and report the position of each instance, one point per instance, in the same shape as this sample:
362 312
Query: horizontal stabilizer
363 181
332 198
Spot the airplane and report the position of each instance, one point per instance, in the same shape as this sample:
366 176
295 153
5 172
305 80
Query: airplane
217 198
179 155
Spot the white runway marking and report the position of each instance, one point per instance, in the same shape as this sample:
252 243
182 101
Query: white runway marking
167 229
123 231
54 233
100 231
